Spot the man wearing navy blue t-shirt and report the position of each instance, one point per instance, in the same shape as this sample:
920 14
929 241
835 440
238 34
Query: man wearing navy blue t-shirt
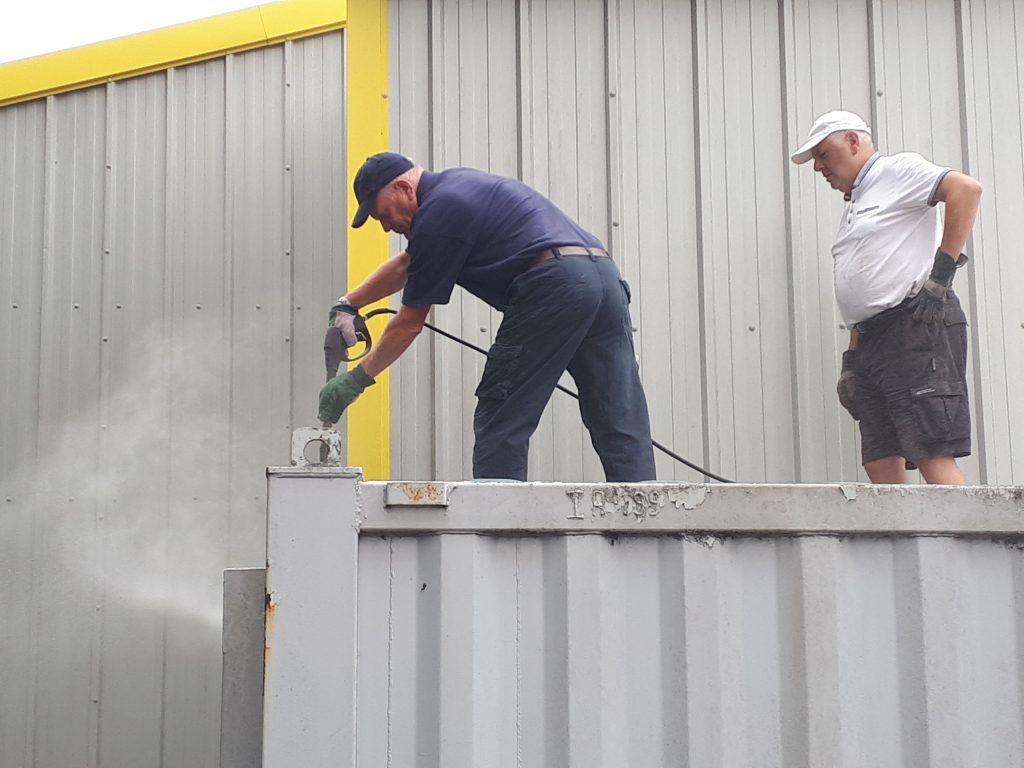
565 306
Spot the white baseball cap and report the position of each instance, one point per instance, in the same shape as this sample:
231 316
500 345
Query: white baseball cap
825 126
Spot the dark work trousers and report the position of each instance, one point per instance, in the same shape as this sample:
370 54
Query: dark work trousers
567 313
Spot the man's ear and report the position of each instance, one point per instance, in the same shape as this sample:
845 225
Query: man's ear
406 186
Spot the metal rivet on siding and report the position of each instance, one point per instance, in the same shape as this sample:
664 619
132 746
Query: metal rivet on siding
287 339
287 85
8 499
615 223
257 306
751 328
287 253
117 306
199 306
298 306
108 165
483 329
287 167
611 94
878 93
75 306
106 338
842 326
15 306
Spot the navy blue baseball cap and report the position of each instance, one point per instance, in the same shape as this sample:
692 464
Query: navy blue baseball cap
376 173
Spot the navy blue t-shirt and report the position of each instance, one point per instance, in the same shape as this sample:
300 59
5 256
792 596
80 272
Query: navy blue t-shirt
478 230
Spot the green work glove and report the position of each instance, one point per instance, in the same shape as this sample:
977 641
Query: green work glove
340 392
930 302
847 386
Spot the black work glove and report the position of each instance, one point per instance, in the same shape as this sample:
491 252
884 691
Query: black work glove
930 303
340 392
846 388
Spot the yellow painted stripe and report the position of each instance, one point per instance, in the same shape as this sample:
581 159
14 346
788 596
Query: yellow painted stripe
369 420
172 46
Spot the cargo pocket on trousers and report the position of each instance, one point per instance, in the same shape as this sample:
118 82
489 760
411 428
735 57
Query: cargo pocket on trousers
940 411
502 361
954 315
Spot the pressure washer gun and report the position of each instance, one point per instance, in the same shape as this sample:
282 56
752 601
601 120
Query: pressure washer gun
335 348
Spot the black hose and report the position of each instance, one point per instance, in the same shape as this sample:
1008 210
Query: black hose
463 342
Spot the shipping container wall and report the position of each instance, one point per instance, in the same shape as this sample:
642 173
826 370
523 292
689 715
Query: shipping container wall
656 625
168 248
665 128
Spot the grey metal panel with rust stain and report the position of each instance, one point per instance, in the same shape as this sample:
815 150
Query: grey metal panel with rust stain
671 142
159 237
310 710
594 624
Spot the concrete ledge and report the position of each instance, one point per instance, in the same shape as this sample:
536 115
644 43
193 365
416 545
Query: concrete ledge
651 508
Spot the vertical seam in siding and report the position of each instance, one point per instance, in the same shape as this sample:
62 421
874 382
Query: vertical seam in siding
699 233
287 223
170 157
787 197
228 233
974 338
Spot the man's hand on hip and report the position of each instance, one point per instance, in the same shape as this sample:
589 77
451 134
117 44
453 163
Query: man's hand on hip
930 302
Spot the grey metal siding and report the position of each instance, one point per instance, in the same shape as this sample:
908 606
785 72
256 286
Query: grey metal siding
665 128
168 245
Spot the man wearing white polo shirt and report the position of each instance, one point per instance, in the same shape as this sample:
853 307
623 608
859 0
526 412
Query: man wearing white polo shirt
904 374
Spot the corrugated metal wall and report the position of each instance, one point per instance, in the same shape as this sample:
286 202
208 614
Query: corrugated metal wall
571 626
168 247
672 651
665 128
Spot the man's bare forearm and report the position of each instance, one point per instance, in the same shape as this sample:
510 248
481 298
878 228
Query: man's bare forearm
398 334
387 279
962 196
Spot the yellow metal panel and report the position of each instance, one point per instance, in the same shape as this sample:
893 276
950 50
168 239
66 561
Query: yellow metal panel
158 49
369 424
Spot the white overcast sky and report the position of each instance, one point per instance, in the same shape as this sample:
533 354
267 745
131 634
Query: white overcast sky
33 27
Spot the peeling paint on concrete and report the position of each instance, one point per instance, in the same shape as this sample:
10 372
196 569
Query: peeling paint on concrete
689 497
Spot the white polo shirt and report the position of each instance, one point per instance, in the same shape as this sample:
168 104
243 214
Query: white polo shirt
886 243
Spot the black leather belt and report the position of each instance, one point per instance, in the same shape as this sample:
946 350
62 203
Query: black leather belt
566 250
883 319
